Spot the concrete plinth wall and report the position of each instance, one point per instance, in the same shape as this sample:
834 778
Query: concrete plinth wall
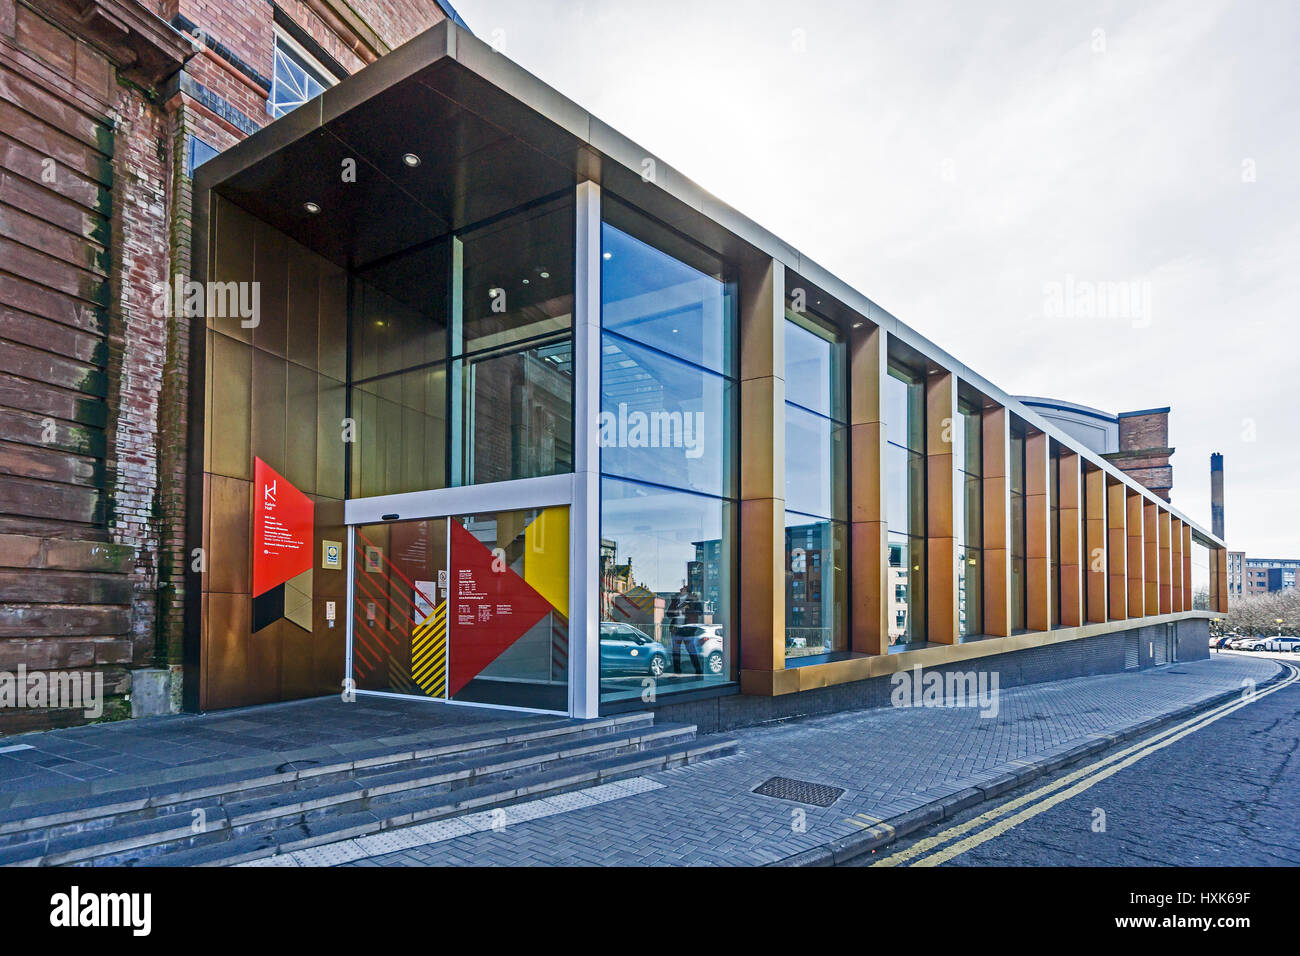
1089 656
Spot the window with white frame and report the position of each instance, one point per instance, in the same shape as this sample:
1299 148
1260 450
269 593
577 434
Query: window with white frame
297 76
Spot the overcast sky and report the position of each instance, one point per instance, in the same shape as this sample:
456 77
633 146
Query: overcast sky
961 163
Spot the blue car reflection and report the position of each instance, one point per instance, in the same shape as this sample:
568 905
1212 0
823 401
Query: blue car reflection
628 650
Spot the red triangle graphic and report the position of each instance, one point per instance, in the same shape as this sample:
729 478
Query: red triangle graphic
489 610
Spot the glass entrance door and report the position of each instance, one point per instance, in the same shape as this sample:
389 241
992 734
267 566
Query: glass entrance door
465 608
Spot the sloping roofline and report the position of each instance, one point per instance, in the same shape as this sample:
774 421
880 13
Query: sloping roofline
605 145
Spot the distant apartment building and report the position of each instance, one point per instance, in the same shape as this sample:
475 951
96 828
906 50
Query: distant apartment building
1248 577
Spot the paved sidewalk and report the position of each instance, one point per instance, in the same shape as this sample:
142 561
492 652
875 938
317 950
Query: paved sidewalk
888 761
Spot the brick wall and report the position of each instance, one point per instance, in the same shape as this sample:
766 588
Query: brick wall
93 380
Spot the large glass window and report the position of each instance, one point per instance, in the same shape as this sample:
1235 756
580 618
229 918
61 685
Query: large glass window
816 548
667 437
1019 539
969 521
1200 576
905 520
461 360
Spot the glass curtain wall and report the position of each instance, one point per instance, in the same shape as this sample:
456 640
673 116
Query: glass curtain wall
905 482
969 521
461 358
816 537
1018 536
667 439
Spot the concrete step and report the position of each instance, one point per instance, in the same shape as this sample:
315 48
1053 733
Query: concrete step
59 817
563 776
304 805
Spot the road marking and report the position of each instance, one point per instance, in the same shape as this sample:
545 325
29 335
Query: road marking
1087 777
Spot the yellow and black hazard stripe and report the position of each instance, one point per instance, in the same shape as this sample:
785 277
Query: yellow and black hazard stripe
429 652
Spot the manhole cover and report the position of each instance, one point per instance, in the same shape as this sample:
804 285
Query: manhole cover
800 791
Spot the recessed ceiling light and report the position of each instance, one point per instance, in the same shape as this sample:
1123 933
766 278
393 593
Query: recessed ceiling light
609 255
311 207
411 159
525 282
544 275
857 325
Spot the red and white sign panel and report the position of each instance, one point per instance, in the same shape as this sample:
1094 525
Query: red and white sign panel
283 524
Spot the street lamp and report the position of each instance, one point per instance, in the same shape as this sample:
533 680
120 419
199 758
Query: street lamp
1279 627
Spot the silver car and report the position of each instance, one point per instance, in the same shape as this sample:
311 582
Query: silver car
703 645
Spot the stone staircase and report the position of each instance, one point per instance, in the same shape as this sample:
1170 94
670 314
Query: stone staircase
220 820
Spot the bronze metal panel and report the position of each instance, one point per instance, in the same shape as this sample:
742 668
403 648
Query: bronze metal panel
1188 597
331 452
271 270
941 420
269 393
264 653
302 344
230 537
234 245
868 539
1151 557
1095 534
301 428
762 581
997 592
1071 531
229 427
1136 563
1038 605
332 337
1175 565
1166 570
1117 550
226 680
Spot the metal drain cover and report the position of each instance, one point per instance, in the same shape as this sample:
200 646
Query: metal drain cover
799 791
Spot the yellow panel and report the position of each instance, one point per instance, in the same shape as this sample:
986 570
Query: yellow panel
546 557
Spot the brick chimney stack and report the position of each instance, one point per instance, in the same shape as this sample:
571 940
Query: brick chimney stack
1144 450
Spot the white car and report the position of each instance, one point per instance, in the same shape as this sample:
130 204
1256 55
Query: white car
1279 644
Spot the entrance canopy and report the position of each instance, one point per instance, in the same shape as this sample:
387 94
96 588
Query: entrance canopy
439 135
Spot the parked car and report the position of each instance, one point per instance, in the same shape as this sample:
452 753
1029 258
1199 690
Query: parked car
630 650
702 644
1281 644
1247 643
1221 642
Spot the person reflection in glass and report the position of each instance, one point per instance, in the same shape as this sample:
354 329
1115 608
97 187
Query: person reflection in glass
685 608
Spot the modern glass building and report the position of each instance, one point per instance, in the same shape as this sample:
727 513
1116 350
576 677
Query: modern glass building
524 418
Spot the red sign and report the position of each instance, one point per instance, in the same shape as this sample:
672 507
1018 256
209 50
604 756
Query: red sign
491 607
282 529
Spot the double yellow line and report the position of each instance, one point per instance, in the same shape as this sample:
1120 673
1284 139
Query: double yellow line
994 823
